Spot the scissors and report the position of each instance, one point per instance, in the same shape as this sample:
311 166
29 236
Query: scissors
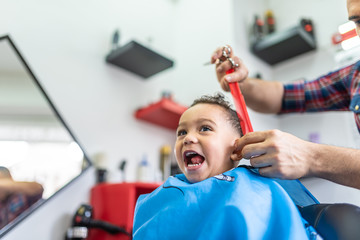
238 98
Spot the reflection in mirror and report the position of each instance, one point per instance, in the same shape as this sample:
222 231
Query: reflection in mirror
35 145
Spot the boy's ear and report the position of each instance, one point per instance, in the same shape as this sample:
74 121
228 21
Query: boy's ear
236 154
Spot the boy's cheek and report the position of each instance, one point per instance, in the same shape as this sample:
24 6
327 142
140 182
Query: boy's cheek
180 163
177 157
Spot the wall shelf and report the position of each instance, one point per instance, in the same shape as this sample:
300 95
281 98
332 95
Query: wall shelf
165 113
139 59
280 46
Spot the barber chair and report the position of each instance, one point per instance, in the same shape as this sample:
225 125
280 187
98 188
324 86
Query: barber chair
334 221
337 221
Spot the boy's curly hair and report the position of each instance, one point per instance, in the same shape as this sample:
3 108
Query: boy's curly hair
219 99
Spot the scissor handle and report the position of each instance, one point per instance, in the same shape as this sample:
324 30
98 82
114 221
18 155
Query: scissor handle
240 106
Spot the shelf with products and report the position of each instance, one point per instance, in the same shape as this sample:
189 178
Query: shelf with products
283 45
165 113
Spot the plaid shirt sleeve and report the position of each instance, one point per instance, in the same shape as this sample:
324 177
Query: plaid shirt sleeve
14 206
330 92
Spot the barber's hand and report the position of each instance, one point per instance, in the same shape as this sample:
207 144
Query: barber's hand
5 185
277 154
223 65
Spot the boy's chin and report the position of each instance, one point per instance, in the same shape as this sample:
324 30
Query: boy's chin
194 179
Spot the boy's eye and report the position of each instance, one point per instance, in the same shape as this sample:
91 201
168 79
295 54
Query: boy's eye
205 129
181 133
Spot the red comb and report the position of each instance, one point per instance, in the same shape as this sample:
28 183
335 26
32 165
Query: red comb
240 106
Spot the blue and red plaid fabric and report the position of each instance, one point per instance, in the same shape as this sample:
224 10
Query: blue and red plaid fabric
336 91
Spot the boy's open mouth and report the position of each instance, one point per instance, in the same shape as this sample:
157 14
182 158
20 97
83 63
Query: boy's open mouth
193 159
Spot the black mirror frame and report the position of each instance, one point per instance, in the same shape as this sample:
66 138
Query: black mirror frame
88 164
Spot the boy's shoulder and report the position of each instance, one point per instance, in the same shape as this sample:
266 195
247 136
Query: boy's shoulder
178 184
241 178
245 179
229 176
235 203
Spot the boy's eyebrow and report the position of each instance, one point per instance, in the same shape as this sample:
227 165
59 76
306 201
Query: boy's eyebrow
198 121
179 125
206 120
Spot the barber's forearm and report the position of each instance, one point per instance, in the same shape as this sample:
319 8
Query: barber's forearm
262 96
337 164
27 188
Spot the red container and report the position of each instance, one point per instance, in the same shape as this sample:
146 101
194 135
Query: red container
115 203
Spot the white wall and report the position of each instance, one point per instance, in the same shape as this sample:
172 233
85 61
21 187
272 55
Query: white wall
244 12
65 43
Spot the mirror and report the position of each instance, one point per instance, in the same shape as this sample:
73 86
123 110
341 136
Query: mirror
35 144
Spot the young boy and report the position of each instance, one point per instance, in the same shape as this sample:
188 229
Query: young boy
213 199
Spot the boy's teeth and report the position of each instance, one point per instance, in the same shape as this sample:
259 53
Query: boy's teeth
193 164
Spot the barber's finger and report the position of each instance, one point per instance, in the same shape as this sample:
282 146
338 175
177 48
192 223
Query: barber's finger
251 151
236 156
261 161
228 63
237 76
241 70
240 74
250 138
225 86
216 55
223 67
267 172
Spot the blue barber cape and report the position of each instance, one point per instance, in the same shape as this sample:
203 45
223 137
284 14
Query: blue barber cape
238 204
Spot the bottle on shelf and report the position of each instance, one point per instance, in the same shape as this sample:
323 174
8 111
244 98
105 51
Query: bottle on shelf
143 170
307 25
258 29
270 21
165 161
100 163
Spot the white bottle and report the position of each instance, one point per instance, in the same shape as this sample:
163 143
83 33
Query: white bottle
143 170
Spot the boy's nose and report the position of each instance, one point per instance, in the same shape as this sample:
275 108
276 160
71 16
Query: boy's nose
189 139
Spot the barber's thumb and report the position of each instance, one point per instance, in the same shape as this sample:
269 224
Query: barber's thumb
229 78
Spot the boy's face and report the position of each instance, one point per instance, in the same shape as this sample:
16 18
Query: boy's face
205 142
